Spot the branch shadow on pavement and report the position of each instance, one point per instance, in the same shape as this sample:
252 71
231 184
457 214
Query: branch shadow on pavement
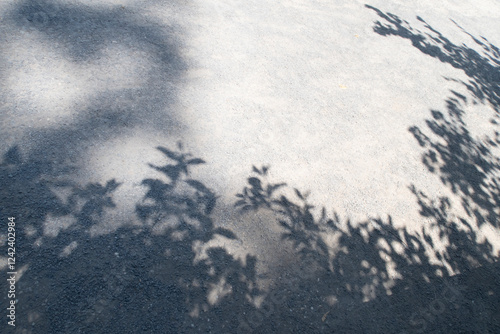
162 274
156 276
374 277
483 68
468 165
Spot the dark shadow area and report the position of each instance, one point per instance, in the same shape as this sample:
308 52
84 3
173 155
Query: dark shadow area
162 276
156 277
54 213
84 31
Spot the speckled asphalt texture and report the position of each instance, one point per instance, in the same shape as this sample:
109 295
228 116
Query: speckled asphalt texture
204 166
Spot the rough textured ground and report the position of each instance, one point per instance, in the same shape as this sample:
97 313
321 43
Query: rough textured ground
382 112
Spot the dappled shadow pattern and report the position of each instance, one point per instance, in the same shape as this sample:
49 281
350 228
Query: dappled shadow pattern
466 164
161 275
483 69
155 273
374 277
157 276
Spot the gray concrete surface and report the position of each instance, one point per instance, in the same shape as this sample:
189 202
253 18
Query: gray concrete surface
335 103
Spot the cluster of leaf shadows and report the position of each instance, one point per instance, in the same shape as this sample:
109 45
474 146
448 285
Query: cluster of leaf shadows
482 68
161 276
155 277
468 165
381 278
376 277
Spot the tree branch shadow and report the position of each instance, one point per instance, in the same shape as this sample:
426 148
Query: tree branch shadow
482 68
162 274
375 277
157 276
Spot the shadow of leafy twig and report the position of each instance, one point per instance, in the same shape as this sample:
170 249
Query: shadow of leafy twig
482 68
467 165
159 276
374 277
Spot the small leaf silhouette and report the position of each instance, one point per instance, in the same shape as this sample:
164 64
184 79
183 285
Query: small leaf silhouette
299 195
254 182
240 203
246 208
285 224
196 161
112 185
225 233
273 187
